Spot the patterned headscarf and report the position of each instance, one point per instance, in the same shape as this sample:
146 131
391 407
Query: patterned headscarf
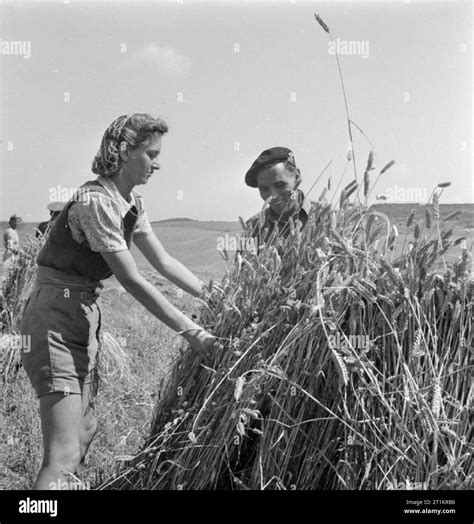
107 159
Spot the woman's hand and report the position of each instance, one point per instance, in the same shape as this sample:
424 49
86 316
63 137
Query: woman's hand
202 342
205 293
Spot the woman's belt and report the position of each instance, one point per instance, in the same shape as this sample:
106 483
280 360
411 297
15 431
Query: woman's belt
76 286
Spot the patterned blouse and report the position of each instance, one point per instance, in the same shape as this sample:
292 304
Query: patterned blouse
97 221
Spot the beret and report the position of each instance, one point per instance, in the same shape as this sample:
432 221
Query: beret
266 159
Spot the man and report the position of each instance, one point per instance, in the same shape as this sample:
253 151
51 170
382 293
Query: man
54 210
11 241
275 175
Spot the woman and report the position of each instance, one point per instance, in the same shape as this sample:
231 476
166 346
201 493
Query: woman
88 242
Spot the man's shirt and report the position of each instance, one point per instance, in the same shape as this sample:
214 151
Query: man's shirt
269 220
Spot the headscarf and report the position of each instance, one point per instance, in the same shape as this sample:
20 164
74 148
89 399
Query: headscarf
107 159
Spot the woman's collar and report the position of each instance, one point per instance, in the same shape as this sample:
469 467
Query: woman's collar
108 183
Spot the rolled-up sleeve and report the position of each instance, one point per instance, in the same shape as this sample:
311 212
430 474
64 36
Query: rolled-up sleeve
142 226
97 223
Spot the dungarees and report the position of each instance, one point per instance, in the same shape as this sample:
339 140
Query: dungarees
62 318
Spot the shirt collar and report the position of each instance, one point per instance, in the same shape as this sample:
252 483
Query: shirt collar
108 183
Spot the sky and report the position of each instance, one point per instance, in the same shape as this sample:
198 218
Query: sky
233 79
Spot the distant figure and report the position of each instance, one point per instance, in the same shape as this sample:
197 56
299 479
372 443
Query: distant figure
54 209
11 241
275 175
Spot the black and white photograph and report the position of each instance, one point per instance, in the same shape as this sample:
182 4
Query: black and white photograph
236 256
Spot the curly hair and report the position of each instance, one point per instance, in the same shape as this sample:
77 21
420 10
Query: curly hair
134 130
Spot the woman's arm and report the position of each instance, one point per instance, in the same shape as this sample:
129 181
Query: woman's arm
124 268
168 266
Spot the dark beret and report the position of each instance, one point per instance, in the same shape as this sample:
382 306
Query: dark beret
268 158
